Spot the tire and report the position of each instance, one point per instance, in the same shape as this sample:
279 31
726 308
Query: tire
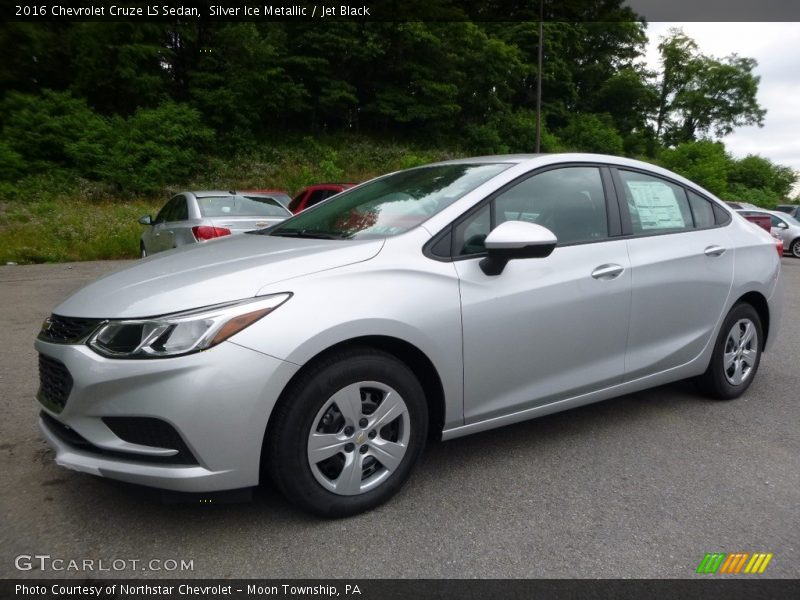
142 251
794 248
736 356
361 465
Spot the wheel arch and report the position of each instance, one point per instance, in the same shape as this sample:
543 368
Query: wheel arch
408 353
761 306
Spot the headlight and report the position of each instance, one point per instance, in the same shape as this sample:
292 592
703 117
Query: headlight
180 333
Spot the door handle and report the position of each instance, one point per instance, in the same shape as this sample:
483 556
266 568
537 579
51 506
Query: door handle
606 272
714 251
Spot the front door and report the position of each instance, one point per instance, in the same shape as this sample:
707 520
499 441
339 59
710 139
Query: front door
545 328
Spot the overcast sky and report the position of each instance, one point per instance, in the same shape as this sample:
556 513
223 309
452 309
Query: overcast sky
776 47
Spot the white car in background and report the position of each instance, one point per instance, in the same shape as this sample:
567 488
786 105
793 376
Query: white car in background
784 226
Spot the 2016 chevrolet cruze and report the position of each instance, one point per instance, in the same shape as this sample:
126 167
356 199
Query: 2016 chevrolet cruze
446 300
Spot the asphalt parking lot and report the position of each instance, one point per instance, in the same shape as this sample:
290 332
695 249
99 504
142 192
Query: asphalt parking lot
640 486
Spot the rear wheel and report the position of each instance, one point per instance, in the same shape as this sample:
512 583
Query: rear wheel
348 433
737 354
795 248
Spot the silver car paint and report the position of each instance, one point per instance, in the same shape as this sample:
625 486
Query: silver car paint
221 270
460 319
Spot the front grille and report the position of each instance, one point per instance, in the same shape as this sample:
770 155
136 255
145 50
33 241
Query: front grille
72 438
55 383
148 431
67 330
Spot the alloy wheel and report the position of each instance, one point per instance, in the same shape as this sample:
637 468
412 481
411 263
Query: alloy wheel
741 352
358 438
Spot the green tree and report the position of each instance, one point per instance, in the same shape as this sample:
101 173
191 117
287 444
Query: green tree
239 80
701 95
120 66
591 133
756 172
704 162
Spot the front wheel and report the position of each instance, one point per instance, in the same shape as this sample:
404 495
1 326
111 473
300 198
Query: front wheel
142 251
347 434
737 354
795 248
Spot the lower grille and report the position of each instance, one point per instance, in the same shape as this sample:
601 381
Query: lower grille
55 383
148 431
73 439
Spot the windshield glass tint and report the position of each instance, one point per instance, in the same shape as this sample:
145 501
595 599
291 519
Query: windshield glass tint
239 206
391 205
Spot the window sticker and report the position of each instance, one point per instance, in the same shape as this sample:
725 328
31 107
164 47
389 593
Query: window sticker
656 204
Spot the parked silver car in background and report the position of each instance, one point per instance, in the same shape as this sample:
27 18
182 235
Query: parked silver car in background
192 217
442 300
784 226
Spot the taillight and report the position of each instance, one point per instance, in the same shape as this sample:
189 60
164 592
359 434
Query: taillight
203 233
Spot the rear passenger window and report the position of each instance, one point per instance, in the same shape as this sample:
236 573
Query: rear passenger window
702 210
655 205
721 216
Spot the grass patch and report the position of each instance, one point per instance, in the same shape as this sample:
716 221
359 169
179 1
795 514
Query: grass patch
72 230
57 216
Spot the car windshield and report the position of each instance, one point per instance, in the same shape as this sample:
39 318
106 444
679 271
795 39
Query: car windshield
390 205
239 206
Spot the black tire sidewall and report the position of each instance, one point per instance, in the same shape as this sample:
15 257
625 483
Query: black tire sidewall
720 385
288 462
794 249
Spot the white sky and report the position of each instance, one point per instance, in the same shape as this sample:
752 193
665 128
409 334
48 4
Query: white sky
776 47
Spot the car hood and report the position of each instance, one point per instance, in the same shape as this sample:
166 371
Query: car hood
214 272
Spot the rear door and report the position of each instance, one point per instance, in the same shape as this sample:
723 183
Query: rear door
178 226
162 234
682 263
548 328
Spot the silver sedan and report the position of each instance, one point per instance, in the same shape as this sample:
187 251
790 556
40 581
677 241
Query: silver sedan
192 217
439 301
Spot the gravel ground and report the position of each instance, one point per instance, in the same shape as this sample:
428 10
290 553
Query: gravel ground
640 486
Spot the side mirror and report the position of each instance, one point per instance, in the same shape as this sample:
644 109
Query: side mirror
782 225
516 239
146 220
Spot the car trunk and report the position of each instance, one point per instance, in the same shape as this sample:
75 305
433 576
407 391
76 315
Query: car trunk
242 224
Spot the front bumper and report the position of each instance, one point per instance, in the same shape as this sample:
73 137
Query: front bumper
218 401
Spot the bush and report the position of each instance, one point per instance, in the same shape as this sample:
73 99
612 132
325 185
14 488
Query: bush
152 148
705 163
12 165
40 129
592 133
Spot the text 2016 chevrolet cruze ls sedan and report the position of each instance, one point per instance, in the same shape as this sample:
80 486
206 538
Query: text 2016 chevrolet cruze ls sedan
442 300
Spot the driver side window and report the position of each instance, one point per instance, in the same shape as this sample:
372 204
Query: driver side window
569 201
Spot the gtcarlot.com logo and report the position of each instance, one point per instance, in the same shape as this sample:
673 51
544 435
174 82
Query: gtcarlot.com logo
45 562
721 563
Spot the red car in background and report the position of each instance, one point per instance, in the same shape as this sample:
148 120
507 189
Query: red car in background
313 194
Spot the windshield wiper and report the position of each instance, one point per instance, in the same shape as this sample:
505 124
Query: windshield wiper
304 233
